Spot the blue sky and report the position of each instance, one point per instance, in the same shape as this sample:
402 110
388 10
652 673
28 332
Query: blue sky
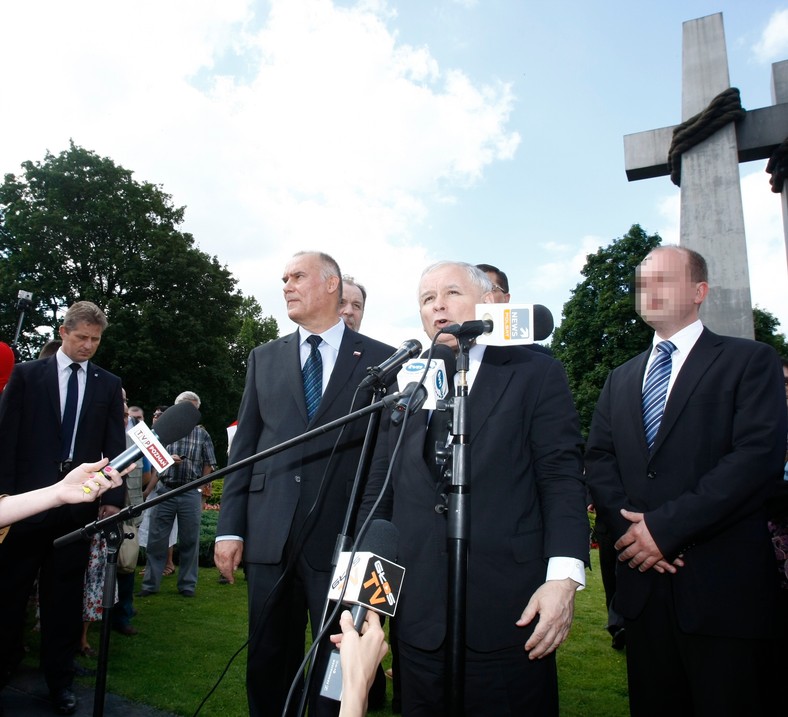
389 134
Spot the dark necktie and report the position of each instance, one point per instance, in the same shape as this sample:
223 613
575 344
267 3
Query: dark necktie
313 376
655 390
69 413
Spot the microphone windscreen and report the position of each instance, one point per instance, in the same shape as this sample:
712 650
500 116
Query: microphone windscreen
381 539
177 422
543 322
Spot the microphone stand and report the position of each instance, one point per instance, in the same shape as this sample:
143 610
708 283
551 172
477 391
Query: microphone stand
112 525
344 540
458 536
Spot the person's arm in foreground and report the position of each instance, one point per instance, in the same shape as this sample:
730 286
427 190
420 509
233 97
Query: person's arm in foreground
82 485
359 656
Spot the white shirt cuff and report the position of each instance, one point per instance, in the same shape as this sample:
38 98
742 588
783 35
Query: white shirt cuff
220 538
562 568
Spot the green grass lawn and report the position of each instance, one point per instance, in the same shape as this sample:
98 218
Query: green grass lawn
185 644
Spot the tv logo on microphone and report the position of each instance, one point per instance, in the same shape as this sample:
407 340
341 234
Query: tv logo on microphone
374 582
435 382
150 446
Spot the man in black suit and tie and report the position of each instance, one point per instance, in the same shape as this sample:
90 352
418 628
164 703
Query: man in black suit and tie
286 511
528 525
684 444
55 413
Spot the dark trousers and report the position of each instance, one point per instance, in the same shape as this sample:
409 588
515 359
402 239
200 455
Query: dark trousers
673 673
27 552
504 683
123 610
278 612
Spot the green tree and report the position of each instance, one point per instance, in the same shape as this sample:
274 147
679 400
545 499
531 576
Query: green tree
766 325
600 328
79 227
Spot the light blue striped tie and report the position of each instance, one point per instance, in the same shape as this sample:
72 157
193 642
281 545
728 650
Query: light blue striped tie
313 376
656 389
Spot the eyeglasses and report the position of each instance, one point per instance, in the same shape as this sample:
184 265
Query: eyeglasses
156 414
497 288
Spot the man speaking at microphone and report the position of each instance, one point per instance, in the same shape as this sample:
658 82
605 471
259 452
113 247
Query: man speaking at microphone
289 508
528 525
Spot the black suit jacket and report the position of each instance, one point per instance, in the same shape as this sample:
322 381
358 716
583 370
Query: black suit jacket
527 501
30 430
720 445
262 502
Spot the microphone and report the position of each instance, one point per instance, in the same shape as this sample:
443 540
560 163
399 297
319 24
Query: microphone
469 329
377 375
437 383
175 423
374 583
514 324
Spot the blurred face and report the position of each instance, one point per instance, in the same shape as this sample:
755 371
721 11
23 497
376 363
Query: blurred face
448 296
498 294
312 301
81 342
667 298
351 307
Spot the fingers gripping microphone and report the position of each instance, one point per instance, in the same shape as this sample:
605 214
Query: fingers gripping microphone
379 374
175 423
374 583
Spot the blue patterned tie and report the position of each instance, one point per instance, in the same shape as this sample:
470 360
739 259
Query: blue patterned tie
313 376
69 413
656 389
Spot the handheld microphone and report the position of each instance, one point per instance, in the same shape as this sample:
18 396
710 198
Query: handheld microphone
374 583
377 375
514 324
412 399
175 423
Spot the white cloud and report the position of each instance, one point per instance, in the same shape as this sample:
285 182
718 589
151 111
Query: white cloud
773 44
313 126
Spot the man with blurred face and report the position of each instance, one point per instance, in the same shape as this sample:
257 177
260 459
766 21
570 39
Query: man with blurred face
281 516
528 526
351 305
55 413
685 442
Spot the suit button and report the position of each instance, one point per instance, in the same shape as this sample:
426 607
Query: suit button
652 475
297 479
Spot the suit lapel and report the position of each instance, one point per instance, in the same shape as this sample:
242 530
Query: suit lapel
52 387
633 400
350 354
489 386
705 351
290 364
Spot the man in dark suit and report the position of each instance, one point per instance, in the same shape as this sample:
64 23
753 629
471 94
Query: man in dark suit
38 450
683 493
281 516
528 525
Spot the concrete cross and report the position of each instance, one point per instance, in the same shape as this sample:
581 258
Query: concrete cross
712 220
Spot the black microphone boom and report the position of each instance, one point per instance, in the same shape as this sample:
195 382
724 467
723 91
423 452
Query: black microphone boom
377 375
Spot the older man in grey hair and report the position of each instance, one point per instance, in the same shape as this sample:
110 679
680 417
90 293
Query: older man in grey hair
194 457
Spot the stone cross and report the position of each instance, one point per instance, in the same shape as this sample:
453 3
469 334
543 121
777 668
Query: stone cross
712 220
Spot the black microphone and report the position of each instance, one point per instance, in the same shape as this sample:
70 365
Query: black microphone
411 399
543 322
378 374
381 581
175 423
469 329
